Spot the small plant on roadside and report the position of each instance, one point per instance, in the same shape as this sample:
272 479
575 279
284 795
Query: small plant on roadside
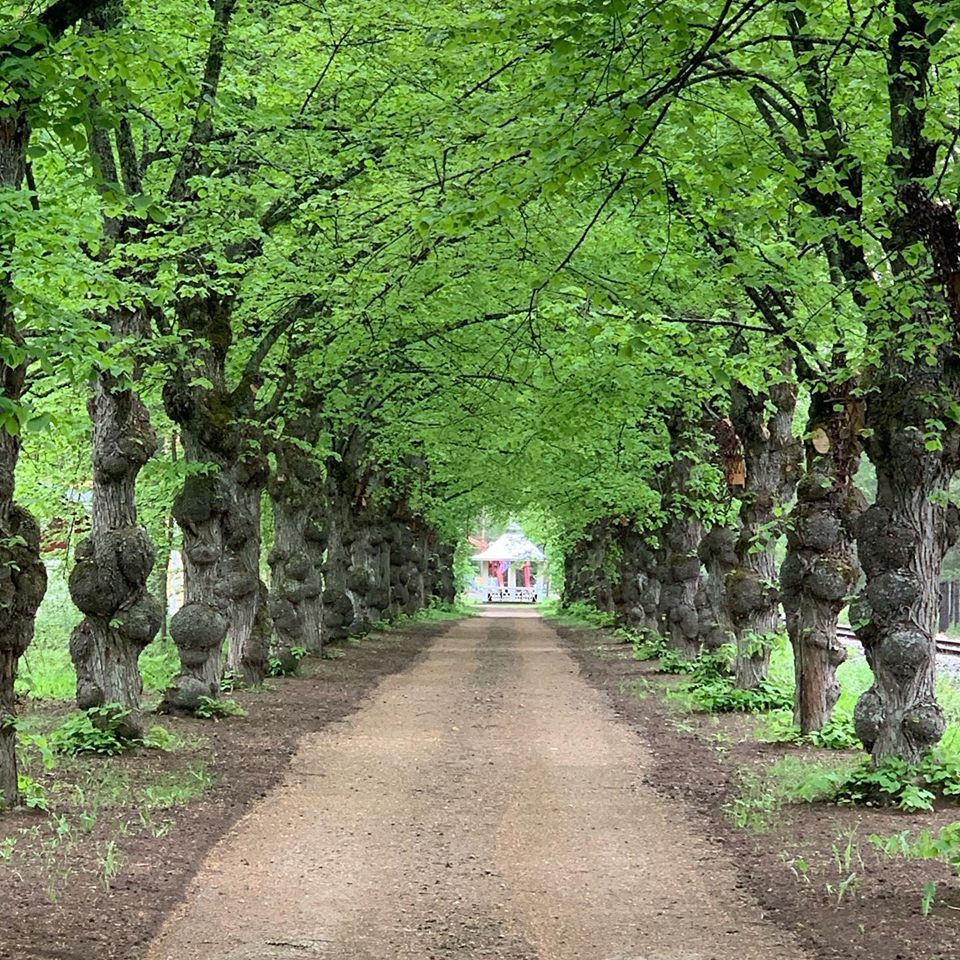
178 788
154 828
755 804
710 687
649 645
87 820
286 666
160 738
579 614
942 846
332 653
927 895
836 734
639 687
791 779
32 794
111 863
672 662
798 866
211 708
848 861
32 745
896 783
97 730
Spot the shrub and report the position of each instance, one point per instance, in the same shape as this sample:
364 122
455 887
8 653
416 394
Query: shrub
836 734
711 687
896 783
648 645
286 666
96 730
212 709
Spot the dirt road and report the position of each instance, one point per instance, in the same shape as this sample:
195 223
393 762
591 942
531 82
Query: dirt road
484 804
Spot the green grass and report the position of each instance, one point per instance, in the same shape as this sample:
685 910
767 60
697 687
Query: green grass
46 671
575 615
763 791
178 788
436 612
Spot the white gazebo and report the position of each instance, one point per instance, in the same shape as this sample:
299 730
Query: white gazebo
511 568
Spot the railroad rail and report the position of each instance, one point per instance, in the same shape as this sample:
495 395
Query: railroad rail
945 645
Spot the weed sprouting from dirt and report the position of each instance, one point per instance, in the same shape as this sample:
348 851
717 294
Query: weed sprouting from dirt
177 788
763 792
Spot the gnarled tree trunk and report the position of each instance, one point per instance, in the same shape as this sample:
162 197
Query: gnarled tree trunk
199 627
294 560
249 627
678 564
901 541
445 582
315 541
717 552
680 576
639 590
588 569
405 586
109 582
368 575
770 454
821 569
573 584
23 578
218 511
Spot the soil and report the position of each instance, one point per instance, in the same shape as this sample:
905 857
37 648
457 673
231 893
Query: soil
485 803
490 789
698 762
60 901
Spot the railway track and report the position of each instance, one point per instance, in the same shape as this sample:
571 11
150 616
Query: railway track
945 645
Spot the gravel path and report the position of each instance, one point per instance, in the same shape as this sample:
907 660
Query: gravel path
484 804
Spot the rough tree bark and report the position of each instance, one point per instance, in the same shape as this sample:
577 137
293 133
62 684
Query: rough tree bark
218 511
913 435
364 544
901 541
249 628
23 577
770 455
717 552
337 609
109 581
443 581
23 582
295 585
588 565
680 577
638 591
678 564
573 584
821 568
406 595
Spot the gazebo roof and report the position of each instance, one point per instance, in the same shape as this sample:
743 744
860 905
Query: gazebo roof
512 545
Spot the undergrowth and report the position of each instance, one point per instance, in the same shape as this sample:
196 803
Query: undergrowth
896 783
576 614
212 708
836 734
762 792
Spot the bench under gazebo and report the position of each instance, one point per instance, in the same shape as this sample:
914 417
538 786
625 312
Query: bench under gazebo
510 569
